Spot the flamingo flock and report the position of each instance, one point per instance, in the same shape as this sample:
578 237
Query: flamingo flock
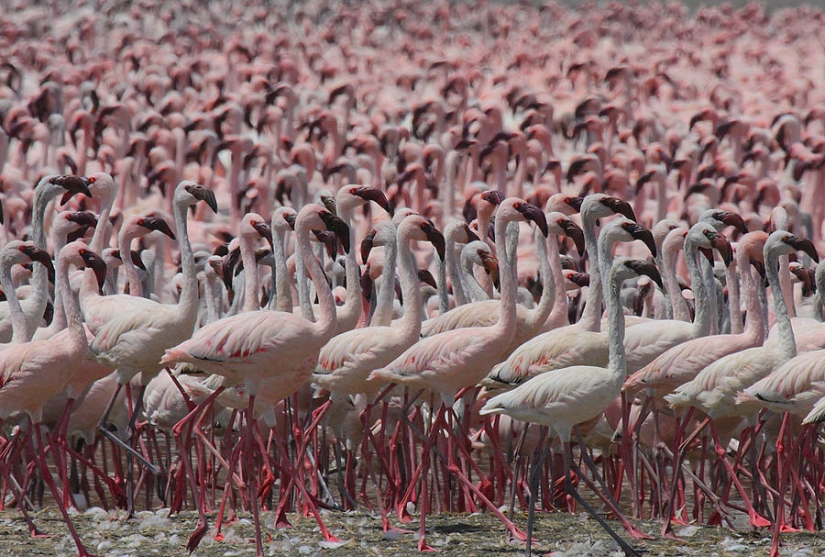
330 257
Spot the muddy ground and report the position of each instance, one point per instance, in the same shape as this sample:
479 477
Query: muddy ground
481 535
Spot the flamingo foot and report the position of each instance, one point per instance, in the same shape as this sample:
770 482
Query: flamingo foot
637 534
715 519
38 535
197 536
758 521
423 547
786 528
281 521
393 531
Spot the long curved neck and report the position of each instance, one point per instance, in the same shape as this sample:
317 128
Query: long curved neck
539 314
413 310
40 278
592 316
731 278
188 302
327 319
507 317
615 331
712 294
74 321
103 230
751 289
701 291
386 294
787 342
474 290
125 247
349 314
559 313
452 254
303 285
250 272
20 331
670 254
283 292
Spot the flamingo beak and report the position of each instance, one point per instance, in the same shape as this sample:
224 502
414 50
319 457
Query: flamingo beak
338 226
73 185
203 193
490 264
329 240
533 213
39 255
83 218
573 231
735 220
367 244
575 202
95 262
645 268
265 231
639 232
471 236
436 238
230 261
580 279
427 278
290 219
721 244
374 194
804 245
158 224
759 266
619 206
494 197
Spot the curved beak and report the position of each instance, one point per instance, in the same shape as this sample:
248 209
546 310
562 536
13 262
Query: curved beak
804 245
490 264
427 278
806 276
639 232
375 195
575 202
643 179
645 268
367 244
573 231
203 193
759 266
579 279
436 238
721 244
265 231
735 220
83 218
471 236
95 262
533 213
329 240
290 219
338 226
39 255
157 223
136 260
493 196
73 185
619 206
230 261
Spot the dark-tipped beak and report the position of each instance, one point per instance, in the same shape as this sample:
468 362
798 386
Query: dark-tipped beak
575 167
721 244
490 264
73 185
329 240
367 244
735 220
436 238
265 231
533 213
572 230
759 266
492 196
41 256
83 218
646 268
575 201
95 262
290 219
136 260
639 232
203 193
374 194
804 245
619 206
708 253
427 278
338 226
643 179
806 276
580 279
157 223
230 261
471 236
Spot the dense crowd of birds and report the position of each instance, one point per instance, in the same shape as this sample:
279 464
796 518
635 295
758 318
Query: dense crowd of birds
340 256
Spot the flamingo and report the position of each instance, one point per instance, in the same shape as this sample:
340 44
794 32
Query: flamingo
259 347
572 395
33 372
457 359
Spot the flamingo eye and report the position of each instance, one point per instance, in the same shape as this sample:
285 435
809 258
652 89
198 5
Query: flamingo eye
141 222
92 180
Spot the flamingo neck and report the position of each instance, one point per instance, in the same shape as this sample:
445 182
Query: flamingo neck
411 320
20 331
558 315
283 296
787 342
615 331
103 230
755 319
188 302
475 291
74 320
452 254
701 292
386 294
327 320
735 310
670 254
507 318
125 247
349 314
592 316
539 314
251 282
